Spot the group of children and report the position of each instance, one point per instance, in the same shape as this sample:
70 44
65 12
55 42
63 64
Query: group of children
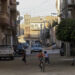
40 54
44 55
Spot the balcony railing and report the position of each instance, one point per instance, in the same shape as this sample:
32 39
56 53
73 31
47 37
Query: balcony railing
4 17
13 7
13 2
12 22
71 3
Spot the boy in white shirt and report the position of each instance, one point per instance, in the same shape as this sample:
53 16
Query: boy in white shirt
46 57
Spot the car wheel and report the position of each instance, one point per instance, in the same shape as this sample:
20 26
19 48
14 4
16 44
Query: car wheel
31 52
0 58
12 58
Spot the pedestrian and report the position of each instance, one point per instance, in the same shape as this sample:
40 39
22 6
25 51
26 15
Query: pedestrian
40 57
24 56
46 57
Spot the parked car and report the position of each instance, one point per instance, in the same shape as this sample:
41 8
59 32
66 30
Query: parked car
36 48
6 52
19 49
26 45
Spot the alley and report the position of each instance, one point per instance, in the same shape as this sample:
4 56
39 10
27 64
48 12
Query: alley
28 27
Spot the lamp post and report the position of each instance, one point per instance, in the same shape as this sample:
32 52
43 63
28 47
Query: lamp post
41 31
44 30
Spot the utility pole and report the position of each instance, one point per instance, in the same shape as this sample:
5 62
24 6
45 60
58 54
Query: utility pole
44 33
41 32
19 24
19 20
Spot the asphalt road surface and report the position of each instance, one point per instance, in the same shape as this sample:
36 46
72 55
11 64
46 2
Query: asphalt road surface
57 66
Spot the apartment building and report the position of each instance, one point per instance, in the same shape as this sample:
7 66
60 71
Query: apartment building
51 23
27 19
71 8
67 8
32 27
8 14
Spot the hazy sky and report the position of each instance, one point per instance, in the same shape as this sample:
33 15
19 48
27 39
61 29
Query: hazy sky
37 7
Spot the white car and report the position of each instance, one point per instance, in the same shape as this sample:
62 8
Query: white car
6 52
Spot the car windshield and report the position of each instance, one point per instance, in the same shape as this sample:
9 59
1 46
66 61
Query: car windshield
36 45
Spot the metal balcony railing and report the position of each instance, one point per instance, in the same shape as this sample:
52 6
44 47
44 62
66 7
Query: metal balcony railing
13 2
4 13
4 17
71 3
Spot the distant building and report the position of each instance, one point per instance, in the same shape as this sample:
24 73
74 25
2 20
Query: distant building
32 27
51 22
27 19
35 28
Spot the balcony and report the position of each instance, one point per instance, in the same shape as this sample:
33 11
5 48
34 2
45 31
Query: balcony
13 7
71 4
4 18
13 4
12 22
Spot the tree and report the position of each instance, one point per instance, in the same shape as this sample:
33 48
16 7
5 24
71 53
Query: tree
65 31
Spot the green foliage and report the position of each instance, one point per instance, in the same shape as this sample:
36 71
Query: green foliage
65 31
54 23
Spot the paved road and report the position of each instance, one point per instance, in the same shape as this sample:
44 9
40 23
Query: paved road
50 51
58 66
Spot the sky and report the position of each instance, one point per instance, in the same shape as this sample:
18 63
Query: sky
37 7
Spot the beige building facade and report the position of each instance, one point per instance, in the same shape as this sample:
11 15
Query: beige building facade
32 27
50 20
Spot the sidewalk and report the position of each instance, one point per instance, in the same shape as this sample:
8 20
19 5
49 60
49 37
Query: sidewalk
50 48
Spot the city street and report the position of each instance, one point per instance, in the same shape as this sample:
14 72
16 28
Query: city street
37 36
49 50
58 66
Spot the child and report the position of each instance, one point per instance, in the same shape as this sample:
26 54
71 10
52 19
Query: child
46 57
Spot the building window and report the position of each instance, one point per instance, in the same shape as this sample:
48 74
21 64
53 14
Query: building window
36 26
